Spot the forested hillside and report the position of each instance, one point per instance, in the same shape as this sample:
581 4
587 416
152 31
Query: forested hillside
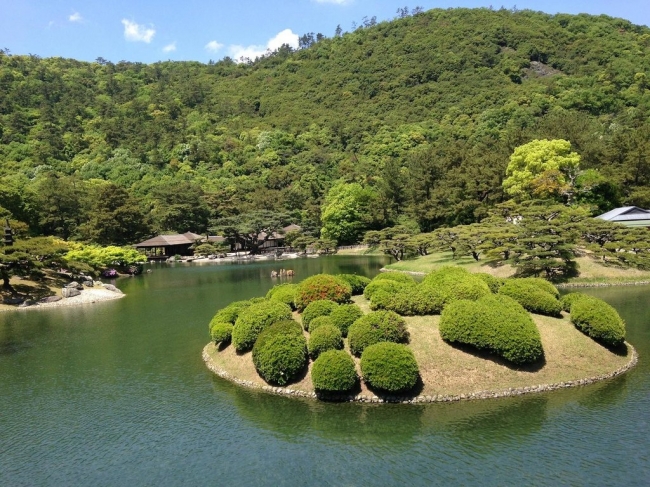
412 120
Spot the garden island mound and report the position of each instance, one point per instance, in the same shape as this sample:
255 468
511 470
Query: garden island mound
455 335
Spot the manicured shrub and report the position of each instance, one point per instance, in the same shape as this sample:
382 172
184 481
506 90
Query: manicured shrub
417 301
221 332
375 327
395 276
384 285
256 318
597 319
285 293
334 371
496 323
280 353
531 297
316 323
322 307
322 286
343 316
390 367
324 338
570 298
494 283
230 313
456 283
542 284
357 283
445 275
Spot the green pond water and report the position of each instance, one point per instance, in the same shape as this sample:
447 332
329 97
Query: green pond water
116 394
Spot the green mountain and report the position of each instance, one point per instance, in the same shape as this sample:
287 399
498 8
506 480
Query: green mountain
423 112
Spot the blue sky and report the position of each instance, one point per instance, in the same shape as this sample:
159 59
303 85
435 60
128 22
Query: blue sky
201 30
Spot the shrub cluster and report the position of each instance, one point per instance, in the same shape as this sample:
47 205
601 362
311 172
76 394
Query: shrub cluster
334 371
285 293
419 300
456 283
375 327
395 277
254 319
316 323
387 285
315 309
322 286
568 299
542 284
324 338
389 367
532 296
494 283
495 323
343 317
280 352
357 283
230 313
599 320
221 332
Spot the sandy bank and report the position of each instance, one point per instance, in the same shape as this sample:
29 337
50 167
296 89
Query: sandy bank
87 296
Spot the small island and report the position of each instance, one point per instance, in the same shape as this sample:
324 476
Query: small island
455 335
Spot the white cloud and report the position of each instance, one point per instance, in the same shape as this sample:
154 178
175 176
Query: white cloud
135 32
75 17
170 47
252 52
213 46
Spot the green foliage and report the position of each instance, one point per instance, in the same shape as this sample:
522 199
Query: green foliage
357 283
103 257
456 283
322 286
375 327
252 229
280 352
285 293
346 212
344 315
599 320
230 313
542 284
26 256
316 323
531 297
334 371
495 323
387 285
221 332
324 338
322 307
389 367
568 299
254 319
420 300
394 276
494 283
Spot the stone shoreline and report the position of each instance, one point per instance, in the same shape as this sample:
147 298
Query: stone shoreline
87 296
422 399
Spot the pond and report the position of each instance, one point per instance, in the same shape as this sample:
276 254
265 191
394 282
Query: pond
117 394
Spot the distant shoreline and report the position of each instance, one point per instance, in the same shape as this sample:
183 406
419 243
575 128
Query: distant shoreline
87 296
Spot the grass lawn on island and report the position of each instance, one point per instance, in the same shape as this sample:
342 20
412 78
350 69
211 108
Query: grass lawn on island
447 370
590 269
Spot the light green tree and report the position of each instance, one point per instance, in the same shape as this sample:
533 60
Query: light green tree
346 212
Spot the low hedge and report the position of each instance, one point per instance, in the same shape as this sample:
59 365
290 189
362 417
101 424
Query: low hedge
568 299
316 323
531 296
322 286
495 323
343 316
394 276
446 275
384 285
280 352
390 367
254 319
334 371
357 283
322 307
221 332
597 319
285 293
375 327
324 338
417 301
494 283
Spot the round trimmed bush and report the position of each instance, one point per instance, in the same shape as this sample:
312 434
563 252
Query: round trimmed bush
394 276
334 371
280 352
445 275
357 283
570 298
542 284
494 283
322 286
230 313
343 316
256 318
221 332
375 327
496 323
315 309
389 367
419 300
456 283
531 296
316 323
387 285
597 319
324 338
285 293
